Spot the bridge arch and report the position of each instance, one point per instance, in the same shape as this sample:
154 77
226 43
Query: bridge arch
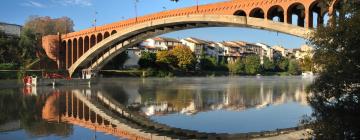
113 32
92 41
240 13
81 46
62 55
99 37
74 51
86 43
69 53
106 35
257 13
104 51
297 9
276 11
318 9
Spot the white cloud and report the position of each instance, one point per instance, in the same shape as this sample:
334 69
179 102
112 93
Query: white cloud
73 2
31 3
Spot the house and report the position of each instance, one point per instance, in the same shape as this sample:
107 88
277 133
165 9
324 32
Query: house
160 43
133 57
233 50
304 51
283 51
10 29
267 51
201 47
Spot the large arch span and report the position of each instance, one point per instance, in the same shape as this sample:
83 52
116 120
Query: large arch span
99 54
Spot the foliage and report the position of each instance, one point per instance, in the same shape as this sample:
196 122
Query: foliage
185 58
294 67
166 60
307 64
8 49
268 64
208 63
336 91
282 64
47 26
117 62
238 67
147 60
252 64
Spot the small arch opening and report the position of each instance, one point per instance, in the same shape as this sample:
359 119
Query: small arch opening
257 13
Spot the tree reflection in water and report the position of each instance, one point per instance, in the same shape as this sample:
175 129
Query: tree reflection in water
29 110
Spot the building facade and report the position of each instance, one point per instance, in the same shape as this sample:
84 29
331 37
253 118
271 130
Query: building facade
10 29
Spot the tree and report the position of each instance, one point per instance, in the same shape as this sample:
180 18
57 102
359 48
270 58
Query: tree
294 68
117 62
8 49
208 63
185 58
238 67
166 60
268 64
147 60
48 26
252 64
283 64
307 64
336 91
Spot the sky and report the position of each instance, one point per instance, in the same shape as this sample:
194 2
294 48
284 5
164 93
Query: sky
83 13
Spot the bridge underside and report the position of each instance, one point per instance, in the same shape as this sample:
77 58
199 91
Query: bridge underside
100 54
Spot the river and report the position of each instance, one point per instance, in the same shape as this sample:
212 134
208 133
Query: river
208 104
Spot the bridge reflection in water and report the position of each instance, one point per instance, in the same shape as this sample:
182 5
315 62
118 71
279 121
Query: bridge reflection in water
109 108
83 108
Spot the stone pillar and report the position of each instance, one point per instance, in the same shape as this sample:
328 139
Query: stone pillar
307 18
66 55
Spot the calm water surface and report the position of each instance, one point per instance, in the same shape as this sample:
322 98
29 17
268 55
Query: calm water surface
220 105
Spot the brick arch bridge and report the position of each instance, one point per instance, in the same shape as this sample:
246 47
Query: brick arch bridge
92 48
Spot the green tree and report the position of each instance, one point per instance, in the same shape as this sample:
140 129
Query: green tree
336 91
9 49
283 64
294 67
208 63
186 59
147 60
307 64
268 64
238 67
117 62
166 60
252 64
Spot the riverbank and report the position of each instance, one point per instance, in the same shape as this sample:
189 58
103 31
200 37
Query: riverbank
13 74
150 73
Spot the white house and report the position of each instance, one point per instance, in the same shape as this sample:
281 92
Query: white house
160 43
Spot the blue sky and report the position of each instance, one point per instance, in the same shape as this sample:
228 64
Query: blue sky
82 12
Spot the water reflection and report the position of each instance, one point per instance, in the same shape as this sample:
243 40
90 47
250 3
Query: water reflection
192 95
195 103
130 108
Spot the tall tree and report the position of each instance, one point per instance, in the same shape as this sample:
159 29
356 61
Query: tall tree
48 26
185 58
336 91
